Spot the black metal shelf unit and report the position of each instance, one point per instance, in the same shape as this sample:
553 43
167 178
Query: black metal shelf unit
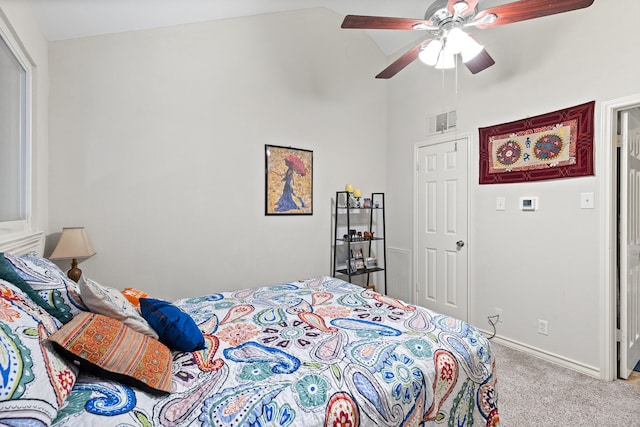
352 216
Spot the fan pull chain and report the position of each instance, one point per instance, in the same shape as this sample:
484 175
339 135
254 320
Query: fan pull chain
455 75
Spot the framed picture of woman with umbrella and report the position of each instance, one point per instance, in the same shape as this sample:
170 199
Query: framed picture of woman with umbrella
288 181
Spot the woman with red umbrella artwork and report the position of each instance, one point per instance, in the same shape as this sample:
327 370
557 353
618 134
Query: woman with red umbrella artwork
286 201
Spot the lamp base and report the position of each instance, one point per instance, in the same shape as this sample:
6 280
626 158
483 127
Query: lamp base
74 273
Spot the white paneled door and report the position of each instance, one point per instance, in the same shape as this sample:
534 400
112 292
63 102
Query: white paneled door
629 252
442 228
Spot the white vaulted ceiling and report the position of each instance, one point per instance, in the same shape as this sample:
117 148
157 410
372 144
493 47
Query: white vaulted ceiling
67 19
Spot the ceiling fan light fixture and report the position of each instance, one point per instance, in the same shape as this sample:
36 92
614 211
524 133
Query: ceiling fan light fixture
470 49
430 54
455 40
447 20
446 61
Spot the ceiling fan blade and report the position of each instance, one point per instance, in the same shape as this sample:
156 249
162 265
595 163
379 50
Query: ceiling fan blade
471 5
526 9
480 62
385 23
406 59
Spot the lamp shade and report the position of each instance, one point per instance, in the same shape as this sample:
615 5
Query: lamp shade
430 54
445 61
73 243
470 49
456 38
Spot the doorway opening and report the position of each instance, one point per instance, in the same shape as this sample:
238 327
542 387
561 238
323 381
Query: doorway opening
612 329
627 215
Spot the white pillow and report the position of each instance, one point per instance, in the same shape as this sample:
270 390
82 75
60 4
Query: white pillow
110 302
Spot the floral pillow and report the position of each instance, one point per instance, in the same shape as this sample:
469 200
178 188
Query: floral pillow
51 283
34 379
9 274
110 302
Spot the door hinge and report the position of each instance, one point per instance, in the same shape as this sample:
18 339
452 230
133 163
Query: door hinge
618 141
618 335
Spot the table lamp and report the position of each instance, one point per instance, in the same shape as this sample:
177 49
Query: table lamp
73 244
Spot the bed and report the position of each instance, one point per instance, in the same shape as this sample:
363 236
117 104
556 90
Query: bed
317 352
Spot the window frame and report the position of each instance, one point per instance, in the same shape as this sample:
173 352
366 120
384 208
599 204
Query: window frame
22 226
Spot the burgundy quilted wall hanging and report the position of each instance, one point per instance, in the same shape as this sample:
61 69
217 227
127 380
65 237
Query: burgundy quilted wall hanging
550 146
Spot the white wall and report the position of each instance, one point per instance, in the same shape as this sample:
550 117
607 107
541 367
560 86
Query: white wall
542 265
23 28
157 146
149 171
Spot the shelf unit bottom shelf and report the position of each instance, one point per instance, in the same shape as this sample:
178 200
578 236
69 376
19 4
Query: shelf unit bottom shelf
359 271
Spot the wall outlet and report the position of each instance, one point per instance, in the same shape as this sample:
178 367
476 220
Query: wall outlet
499 313
543 327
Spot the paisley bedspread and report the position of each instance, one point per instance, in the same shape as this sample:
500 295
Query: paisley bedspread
320 352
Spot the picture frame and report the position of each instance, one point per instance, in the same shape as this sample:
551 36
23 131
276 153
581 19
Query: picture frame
366 202
288 181
359 263
371 262
357 253
352 266
554 145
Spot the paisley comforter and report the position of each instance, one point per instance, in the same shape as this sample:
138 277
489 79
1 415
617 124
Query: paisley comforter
320 352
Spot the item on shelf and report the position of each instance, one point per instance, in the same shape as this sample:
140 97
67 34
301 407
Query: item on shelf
352 265
366 203
356 253
357 194
359 235
367 235
371 262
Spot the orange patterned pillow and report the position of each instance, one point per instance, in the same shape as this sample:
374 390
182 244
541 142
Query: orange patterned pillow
134 295
116 351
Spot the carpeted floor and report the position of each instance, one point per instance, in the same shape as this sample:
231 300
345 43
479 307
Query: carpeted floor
534 392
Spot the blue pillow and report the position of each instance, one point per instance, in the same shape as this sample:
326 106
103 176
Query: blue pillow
176 329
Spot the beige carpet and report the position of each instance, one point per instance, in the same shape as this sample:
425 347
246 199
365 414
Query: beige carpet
534 392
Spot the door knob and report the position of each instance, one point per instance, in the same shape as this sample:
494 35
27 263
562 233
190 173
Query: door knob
459 244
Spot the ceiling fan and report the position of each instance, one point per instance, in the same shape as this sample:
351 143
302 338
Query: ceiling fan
446 21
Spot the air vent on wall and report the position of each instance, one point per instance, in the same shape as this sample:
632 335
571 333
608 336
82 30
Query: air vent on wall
441 123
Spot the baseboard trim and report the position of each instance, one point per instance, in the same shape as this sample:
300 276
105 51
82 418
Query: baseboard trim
548 356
